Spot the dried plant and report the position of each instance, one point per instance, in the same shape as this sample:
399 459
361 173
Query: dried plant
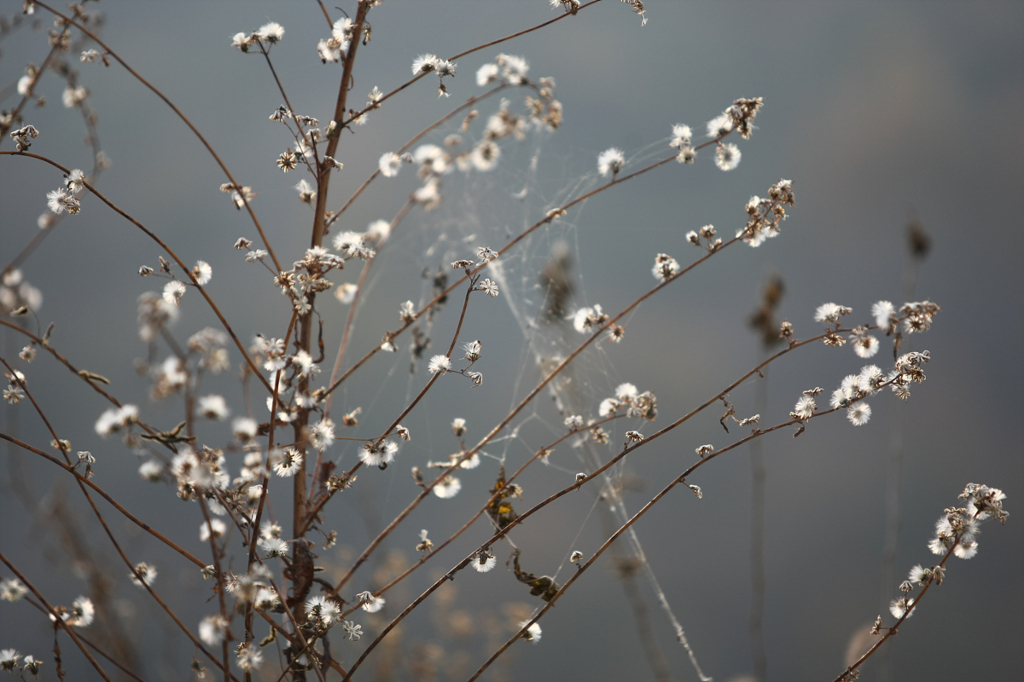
273 496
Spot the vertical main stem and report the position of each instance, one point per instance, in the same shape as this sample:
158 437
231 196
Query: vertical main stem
303 339
302 560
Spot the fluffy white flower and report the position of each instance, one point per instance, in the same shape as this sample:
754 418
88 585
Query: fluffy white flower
804 407
485 155
328 51
150 470
173 291
727 156
389 164
626 391
486 74
885 315
244 428
321 436
532 634
346 293
216 527
374 455
146 574
213 407
288 463
447 488
611 160
859 414
271 32
483 561
719 125
370 603
424 63
439 364
81 613
827 312
211 630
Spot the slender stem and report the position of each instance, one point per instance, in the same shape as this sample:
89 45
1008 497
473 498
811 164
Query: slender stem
501 425
56 617
636 517
167 249
254 534
415 138
195 131
92 645
434 552
284 95
31 89
470 51
591 477
102 493
83 481
756 548
350 319
384 533
79 373
846 675
216 552
618 180
97 169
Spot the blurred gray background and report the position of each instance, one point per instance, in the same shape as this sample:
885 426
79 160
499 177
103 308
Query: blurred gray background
880 113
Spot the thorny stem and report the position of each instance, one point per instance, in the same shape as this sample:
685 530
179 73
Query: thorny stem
195 131
166 248
591 477
56 618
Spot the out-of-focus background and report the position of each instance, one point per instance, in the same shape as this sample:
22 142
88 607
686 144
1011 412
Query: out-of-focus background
881 113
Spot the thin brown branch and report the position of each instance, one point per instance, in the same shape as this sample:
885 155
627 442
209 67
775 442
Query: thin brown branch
187 122
59 622
415 138
350 319
492 43
4 127
102 493
84 377
846 675
436 550
618 180
167 249
522 404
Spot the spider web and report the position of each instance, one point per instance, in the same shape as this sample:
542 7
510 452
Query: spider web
489 209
